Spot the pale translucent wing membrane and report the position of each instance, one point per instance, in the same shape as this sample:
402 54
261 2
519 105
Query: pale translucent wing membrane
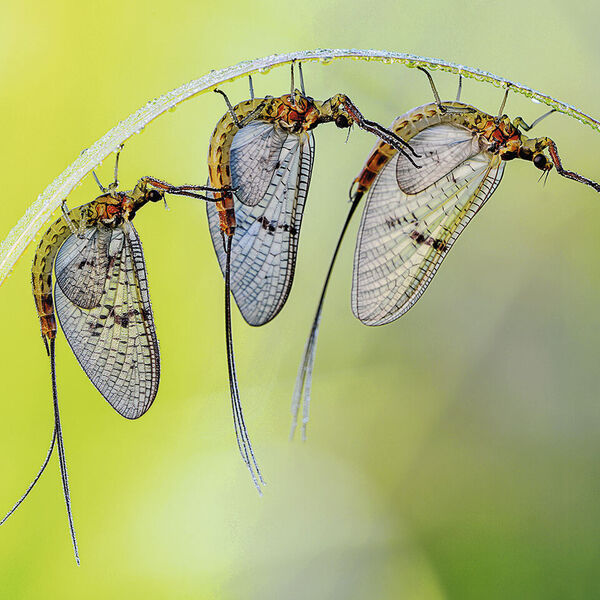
441 148
403 239
265 243
255 153
82 265
115 341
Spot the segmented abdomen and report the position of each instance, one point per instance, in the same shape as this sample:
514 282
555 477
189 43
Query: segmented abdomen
43 262
406 126
219 173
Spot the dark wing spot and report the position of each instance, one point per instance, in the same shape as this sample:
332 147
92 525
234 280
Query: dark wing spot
122 320
417 237
436 244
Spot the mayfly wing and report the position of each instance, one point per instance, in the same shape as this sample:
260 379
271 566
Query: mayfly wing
440 149
114 340
264 247
254 157
82 266
403 238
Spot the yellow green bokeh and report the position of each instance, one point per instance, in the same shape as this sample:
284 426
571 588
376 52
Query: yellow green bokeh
451 455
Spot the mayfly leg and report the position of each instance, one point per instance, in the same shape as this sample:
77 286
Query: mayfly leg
388 136
301 79
520 123
503 104
184 190
459 90
115 184
65 212
553 151
241 432
102 188
436 95
248 118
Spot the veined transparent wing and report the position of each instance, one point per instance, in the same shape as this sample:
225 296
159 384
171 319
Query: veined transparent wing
82 266
254 157
115 340
441 148
265 243
403 238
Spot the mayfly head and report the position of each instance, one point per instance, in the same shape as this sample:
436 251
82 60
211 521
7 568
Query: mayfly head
533 149
338 109
145 191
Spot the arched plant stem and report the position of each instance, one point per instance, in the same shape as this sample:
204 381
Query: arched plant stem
40 211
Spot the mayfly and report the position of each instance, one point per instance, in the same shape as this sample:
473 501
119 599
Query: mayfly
412 217
102 302
262 151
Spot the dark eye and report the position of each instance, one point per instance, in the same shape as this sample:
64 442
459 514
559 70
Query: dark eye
154 196
342 121
540 161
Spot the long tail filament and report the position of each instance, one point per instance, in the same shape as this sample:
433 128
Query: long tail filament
57 439
304 378
241 433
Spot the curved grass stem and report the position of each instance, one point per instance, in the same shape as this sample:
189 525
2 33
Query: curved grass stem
40 212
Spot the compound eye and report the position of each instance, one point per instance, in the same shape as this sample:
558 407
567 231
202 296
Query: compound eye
154 196
540 161
342 121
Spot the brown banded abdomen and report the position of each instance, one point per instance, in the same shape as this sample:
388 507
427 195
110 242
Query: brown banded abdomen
41 271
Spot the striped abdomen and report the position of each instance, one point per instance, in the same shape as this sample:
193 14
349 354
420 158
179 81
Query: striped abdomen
219 172
43 262
406 126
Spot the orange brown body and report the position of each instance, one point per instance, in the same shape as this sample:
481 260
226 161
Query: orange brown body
110 209
497 136
294 114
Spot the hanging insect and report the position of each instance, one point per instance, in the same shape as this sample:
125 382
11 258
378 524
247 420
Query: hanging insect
412 217
262 153
102 302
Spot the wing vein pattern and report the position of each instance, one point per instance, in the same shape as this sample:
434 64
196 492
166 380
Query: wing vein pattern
404 237
270 179
113 338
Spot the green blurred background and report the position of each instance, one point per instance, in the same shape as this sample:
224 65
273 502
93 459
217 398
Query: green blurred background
451 455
